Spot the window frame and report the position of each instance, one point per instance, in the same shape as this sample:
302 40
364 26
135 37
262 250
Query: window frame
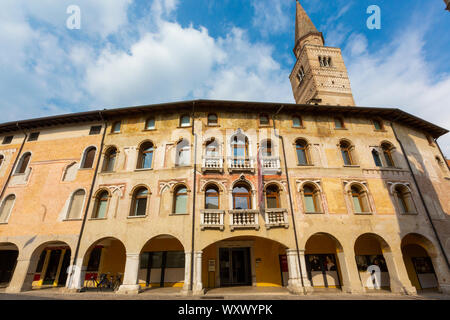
34 136
363 199
146 127
7 139
215 194
316 196
2 208
247 195
114 127
346 147
144 151
176 195
181 125
380 122
20 169
304 149
300 121
262 115
273 195
107 159
341 123
209 123
98 199
134 201
69 209
85 155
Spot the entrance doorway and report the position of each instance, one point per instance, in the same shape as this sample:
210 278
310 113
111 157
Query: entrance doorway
8 260
235 267
52 267
322 270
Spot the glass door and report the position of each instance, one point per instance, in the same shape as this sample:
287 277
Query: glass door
235 266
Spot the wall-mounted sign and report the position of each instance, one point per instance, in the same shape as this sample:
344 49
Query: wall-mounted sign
212 265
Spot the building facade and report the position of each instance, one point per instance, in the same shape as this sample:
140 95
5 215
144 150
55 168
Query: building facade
204 194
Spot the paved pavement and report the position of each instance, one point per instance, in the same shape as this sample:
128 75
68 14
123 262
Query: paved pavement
242 293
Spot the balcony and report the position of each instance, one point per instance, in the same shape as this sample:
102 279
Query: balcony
244 219
276 218
212 219
271 165
211 163
241 164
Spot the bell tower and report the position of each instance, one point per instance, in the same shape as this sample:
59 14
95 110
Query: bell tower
319 75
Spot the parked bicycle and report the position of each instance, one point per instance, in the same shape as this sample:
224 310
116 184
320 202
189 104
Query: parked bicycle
106 281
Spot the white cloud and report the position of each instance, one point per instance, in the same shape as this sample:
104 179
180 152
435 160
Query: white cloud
161 66
272 16
398 75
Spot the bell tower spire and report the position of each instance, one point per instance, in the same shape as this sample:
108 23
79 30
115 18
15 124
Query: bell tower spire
305 30
319 75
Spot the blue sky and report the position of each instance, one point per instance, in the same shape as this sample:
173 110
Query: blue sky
131 52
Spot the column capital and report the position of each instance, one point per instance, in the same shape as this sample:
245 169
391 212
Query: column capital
132 255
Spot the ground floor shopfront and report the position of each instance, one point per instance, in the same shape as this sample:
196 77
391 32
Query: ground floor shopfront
322 263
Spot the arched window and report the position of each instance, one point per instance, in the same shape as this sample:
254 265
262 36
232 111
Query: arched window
387 152
183 156
239 147
101 204
110 159
212 197
212 148
266 148
376 158
263 120
139 202
88 159
145 159
23 164
2 158
180 200
273 197
212 119
6 207
297 122
301 147
150 123
346 151
311 199
360 201
241 197
116 127
76 205
404 199
185 121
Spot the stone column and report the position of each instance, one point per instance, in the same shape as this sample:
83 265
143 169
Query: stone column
22 278
295 281
351 283
130 278
442 273
187 273
197 288
399 280
77 272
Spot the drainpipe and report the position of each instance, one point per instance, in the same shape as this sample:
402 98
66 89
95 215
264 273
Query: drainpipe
420 194
15 161
89 201
193 197
290 196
